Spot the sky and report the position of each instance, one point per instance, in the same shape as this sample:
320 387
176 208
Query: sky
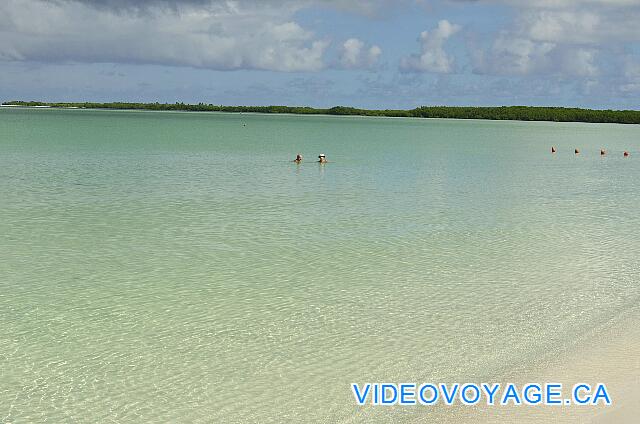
373 54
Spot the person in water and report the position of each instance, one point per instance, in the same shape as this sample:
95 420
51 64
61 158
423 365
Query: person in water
322 158
298 158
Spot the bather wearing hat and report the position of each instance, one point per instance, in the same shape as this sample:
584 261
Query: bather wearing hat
322 158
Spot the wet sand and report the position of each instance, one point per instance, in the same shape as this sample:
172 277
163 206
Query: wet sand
609 355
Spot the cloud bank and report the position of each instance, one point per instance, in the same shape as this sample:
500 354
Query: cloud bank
582 48
201 34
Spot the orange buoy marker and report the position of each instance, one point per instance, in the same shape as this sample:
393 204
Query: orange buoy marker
553 149
577 151
603 152
626 154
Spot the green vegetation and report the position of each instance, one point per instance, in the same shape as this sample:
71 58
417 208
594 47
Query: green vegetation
513 113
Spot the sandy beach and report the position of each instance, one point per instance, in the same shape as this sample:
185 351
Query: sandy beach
609 355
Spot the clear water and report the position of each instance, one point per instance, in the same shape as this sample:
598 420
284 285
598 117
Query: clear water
177 267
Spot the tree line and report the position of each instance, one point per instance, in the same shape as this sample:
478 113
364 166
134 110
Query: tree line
512 113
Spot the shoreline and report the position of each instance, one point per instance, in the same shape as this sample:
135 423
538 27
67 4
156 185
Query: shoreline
609 354
325 115
490 113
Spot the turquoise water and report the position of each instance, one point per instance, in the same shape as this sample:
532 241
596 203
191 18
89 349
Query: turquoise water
177 267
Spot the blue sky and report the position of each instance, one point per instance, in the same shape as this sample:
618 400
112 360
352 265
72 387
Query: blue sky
374 54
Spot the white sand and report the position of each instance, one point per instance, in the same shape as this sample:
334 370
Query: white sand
610 355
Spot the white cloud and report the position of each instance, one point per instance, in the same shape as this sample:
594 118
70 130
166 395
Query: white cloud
575 21
215 35
559 4
631 77
513 56
578 26
563 25
566 38
432 57
354 54
579 62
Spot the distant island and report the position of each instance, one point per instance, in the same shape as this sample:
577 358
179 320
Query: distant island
511 113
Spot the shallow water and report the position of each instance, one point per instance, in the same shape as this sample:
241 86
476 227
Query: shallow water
177 267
